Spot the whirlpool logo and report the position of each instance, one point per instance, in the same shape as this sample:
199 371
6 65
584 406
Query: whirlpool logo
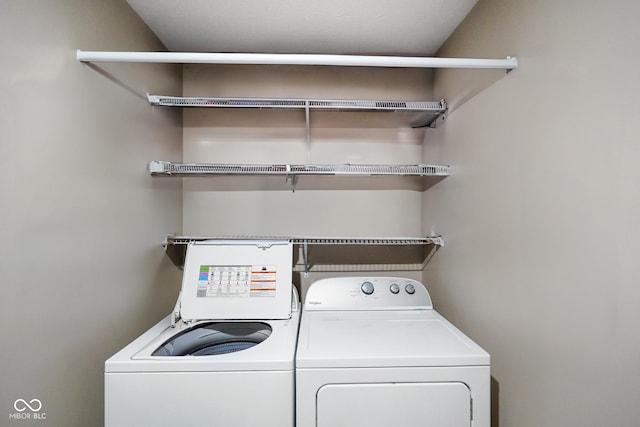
28 410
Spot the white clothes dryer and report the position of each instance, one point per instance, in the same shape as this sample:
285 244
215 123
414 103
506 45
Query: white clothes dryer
372 352
225 356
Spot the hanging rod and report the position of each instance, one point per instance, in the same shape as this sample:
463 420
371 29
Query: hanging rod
508 63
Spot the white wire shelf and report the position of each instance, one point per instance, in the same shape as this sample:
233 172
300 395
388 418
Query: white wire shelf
211 169
426 112
326 254
304 177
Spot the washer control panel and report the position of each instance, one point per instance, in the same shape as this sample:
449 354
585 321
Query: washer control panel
367 293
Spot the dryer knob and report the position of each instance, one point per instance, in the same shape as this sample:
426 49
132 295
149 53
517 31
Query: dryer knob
410 289
367 288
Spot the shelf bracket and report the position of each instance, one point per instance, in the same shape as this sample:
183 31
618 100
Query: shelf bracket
308 129
305 258
291 178
438 242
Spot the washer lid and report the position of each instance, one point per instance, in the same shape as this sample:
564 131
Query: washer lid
237 279
356 339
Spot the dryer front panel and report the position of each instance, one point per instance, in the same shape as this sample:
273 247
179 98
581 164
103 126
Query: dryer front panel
437 404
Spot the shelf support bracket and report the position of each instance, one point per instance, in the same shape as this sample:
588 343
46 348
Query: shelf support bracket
438 243
305 258
292 178
308 129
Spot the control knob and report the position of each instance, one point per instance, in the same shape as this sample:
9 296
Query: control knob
367 288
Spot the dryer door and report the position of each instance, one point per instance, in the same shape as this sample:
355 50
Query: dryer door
392 405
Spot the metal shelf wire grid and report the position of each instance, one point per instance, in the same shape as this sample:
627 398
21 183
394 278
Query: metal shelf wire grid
199 169
438 107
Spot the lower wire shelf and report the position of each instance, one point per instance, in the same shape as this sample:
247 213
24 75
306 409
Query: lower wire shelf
324 254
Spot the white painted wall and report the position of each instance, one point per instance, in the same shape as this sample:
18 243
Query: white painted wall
266 207
81 267
540 215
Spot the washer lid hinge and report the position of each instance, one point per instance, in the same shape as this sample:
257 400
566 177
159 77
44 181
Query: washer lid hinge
175 314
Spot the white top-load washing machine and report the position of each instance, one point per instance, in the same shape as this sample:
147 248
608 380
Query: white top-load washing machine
372 352
225 356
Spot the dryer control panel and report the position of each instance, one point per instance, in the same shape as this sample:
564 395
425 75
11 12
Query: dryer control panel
367 293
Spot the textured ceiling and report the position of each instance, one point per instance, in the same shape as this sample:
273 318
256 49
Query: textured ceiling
382 27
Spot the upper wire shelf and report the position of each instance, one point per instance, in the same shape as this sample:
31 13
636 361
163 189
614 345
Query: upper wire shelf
427 112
